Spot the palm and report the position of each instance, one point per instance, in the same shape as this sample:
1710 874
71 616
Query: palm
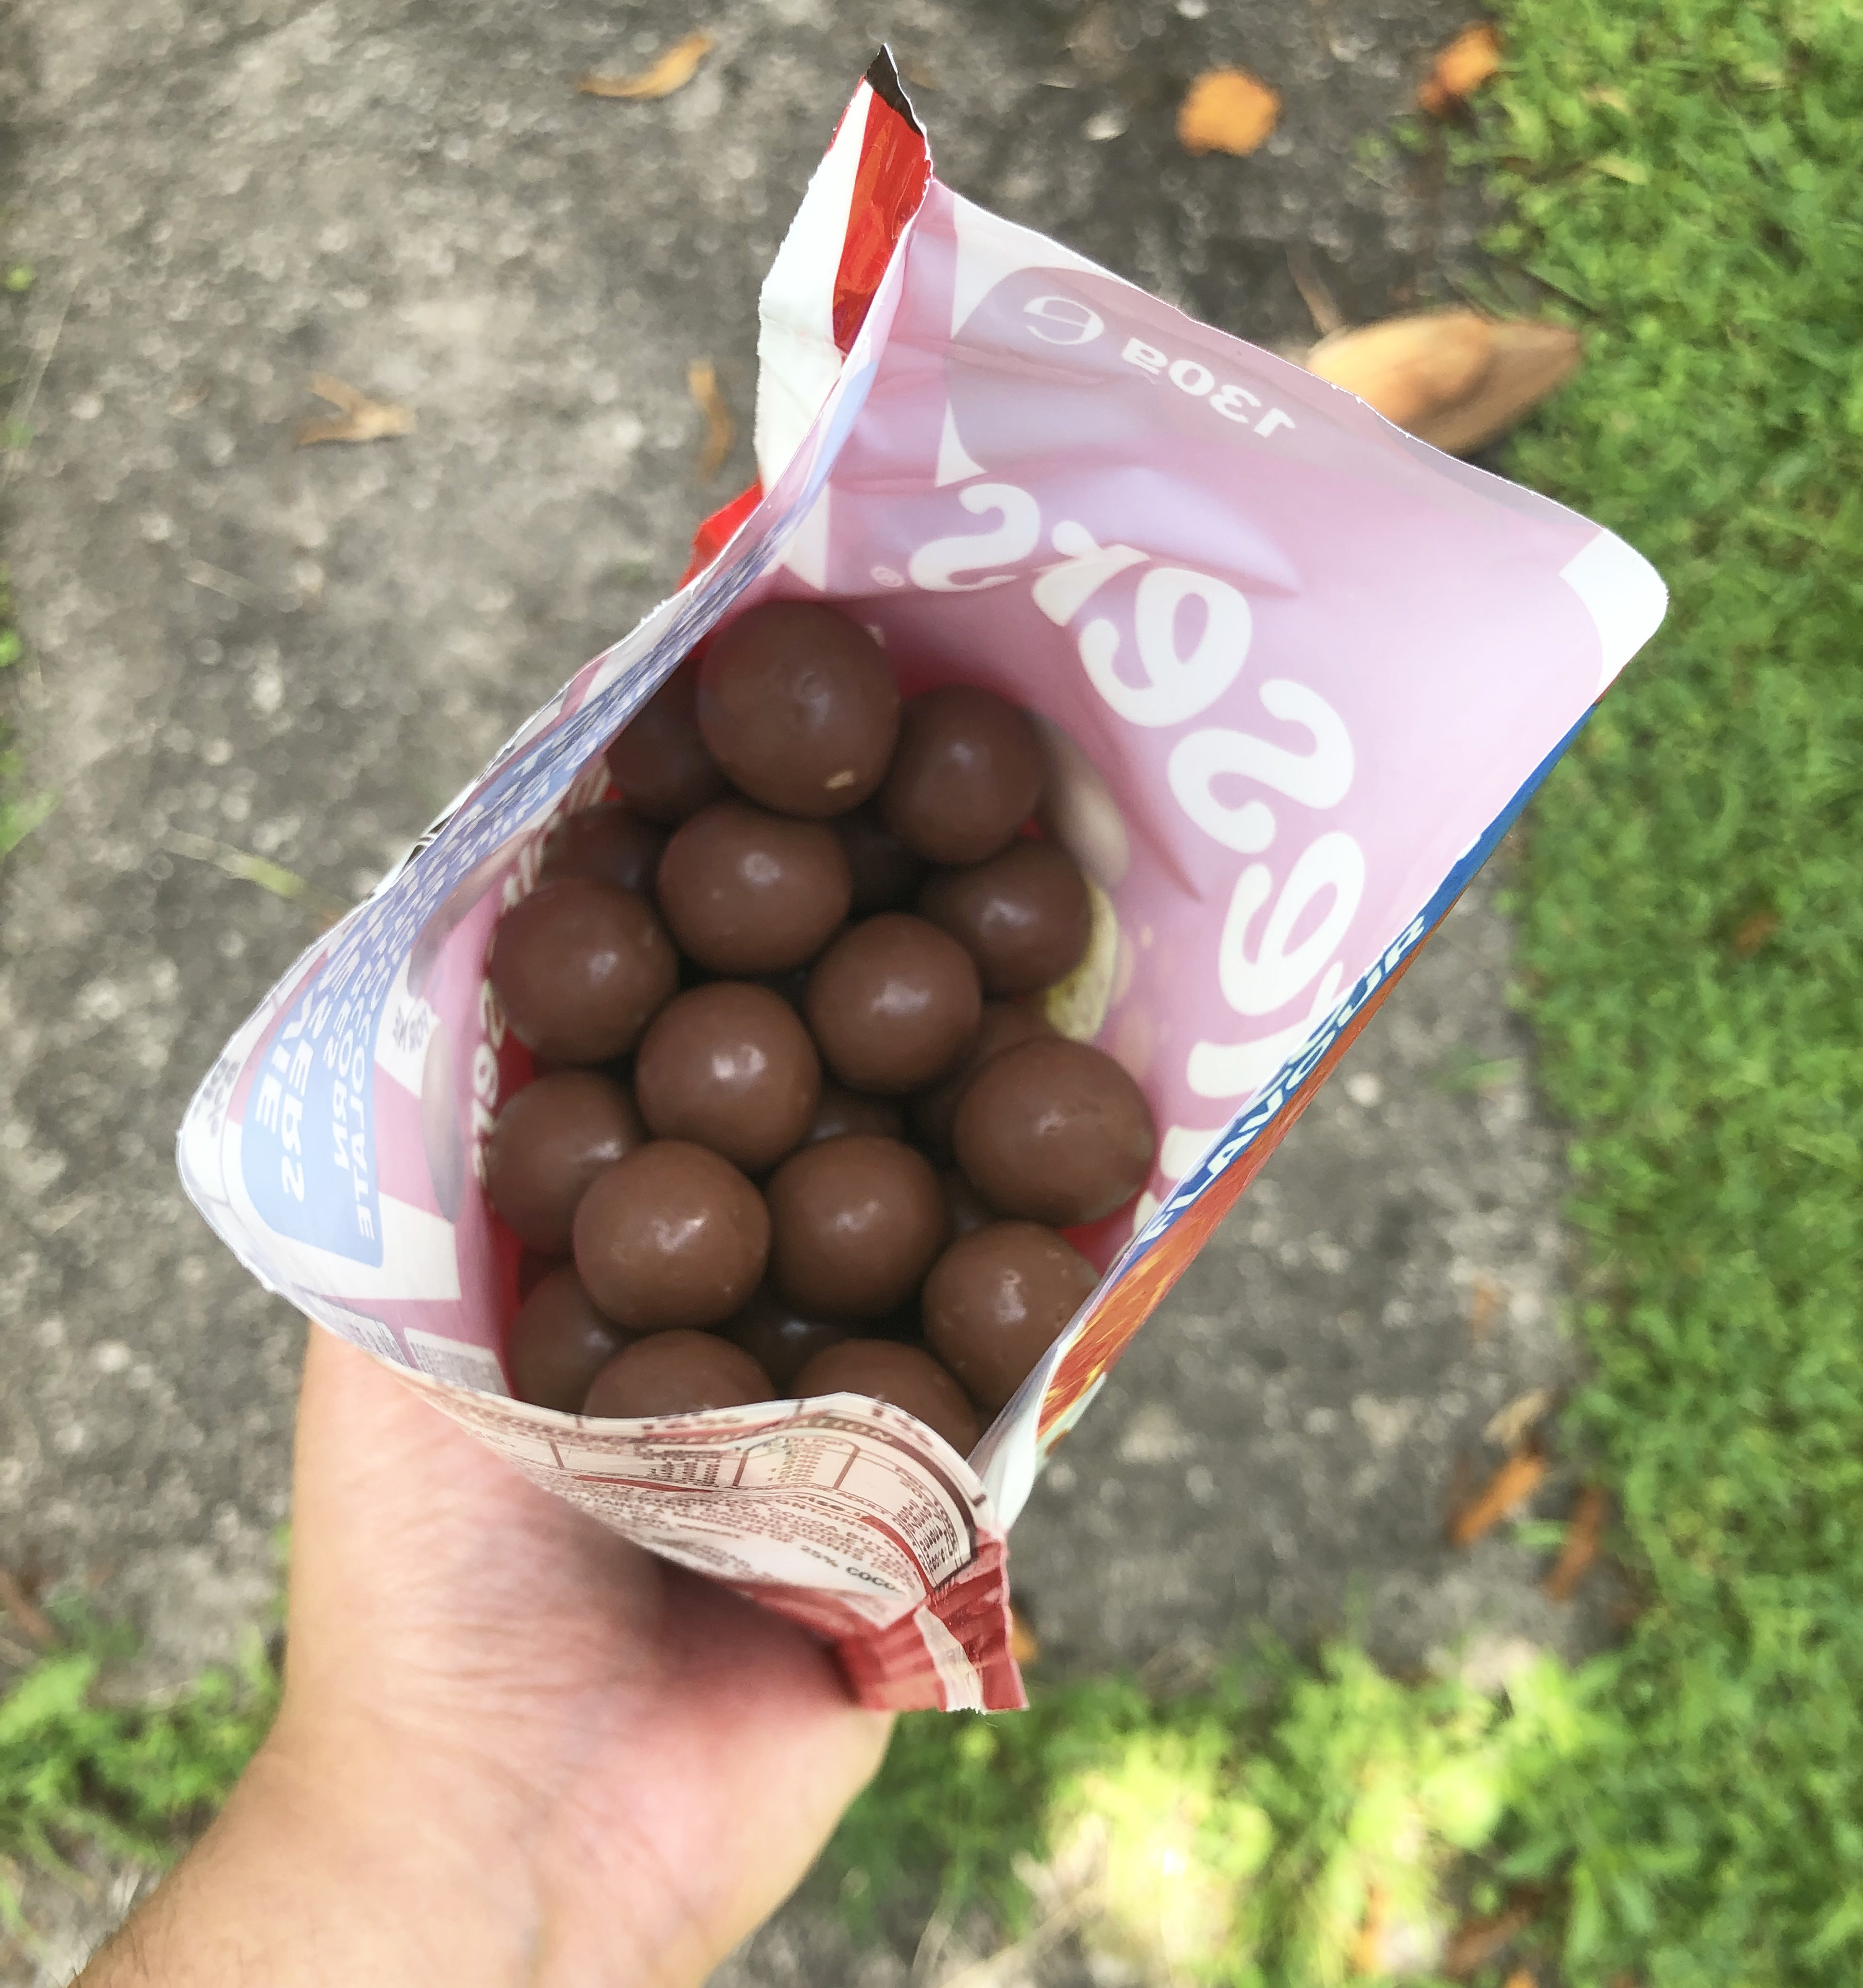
650 1759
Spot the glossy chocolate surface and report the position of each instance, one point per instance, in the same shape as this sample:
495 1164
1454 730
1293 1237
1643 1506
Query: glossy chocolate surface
608 844
559 1342
550 1140
798 706
886 1372
659 761
933 1112
855 1225
745 891
997 1300
580 968
1022 915
672 1236
780 1339
677 1373
967 774
730 1066
894 1004
1054 1131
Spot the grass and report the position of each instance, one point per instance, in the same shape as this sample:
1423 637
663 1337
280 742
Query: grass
1682 174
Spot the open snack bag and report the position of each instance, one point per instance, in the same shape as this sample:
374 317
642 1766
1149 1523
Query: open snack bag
1292 674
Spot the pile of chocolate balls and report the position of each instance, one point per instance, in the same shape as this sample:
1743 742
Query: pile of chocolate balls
796 1129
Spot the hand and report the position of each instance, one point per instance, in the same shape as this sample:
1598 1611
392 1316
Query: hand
513 1748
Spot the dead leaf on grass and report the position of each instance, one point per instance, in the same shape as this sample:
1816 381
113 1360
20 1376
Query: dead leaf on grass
1461 66
1368 1947
673 70
1582 1532
361 419
34 1624
1454 378
1227 110
1522 1977
1504 1493
720 430
1755 931
1476 1941
1024 1645
1507 1427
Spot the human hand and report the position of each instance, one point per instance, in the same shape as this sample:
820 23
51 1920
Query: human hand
513 1747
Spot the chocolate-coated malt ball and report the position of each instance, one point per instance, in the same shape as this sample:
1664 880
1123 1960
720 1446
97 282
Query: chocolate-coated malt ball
886 873
841 1111
676 1373
884 1370
730 1066
1022 915
659 761
745 891
798 707
854 1223
965 1209
608 844
997 1300
548 1143
672 1236
966 776
559 1342
1054 1131
935 1111
894 1004
580 969
781 1339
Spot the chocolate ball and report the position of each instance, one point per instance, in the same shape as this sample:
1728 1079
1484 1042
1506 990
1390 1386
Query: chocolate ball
559 1342
841 1111
533 1267
798 707
886 1371
676 1373
580 969
854 1223
894 1004
730 1066
966 776
548 1143
781 1339
1021 914
997 1300
933 1112
886 873
1054 1131
659 761
965 1209
607 844
671 1236
747 892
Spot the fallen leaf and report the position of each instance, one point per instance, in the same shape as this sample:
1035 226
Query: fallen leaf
1454 378
1368 1947
1507 1427
1024 1645
1754 932
1476 1941
1325 313
1582 1533
1522 1977
34 1624
1484 1308
1508 1489
1460 67
1227 110
720 430
361 419
672 71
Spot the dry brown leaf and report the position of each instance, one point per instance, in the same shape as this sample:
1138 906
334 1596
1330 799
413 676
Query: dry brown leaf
672 71
1368 1947
1754 932
1476 1941
361 419
1582 1532
1227 110
33 1622
1484 1308
720 430
1024 1645
1506 1492
1461 68
1522 1977
1507 1427
1454 378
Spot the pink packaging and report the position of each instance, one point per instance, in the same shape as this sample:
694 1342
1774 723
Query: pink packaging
1296 673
